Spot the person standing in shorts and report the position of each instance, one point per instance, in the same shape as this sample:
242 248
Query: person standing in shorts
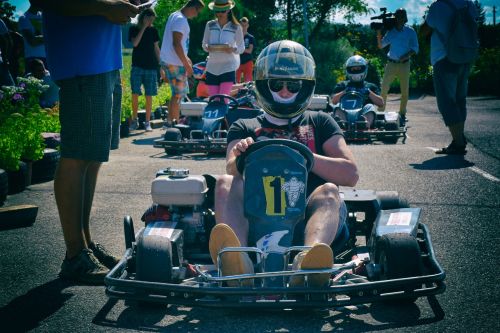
145 60
173 54
246 61
84 53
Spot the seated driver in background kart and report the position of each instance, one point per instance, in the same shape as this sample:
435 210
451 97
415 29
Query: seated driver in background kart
356 69
285 82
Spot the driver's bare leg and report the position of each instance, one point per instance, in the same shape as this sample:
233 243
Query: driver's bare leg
322 215
231 229
323 221
229 205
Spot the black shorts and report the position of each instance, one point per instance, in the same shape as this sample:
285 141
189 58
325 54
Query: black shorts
215 80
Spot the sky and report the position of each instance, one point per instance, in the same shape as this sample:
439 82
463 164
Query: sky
415 9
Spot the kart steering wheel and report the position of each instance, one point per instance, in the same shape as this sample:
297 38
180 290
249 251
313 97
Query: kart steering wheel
297 146
233 102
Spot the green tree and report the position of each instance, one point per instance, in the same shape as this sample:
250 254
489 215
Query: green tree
318 14
481 20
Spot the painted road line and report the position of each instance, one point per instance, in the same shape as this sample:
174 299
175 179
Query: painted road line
484 174
475 169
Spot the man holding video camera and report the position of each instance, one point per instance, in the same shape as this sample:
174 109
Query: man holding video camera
403 43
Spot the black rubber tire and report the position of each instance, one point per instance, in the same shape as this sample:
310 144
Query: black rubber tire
124 129
128 228
154 259
4 186
172 134
399 256
392 125
45 168
18 179
392 140
388 199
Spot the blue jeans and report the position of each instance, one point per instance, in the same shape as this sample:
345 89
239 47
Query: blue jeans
450 85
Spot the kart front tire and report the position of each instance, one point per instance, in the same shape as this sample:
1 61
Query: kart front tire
399 256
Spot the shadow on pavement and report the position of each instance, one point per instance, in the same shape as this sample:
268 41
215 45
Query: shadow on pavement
151 318
447 162
27 311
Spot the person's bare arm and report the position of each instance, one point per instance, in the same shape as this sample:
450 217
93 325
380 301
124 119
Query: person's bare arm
376 99
115 11
234 149
157 51
177 41
337 165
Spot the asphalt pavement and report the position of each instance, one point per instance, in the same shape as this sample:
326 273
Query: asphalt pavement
459 196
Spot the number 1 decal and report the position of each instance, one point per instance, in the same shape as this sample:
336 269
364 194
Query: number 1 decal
275 196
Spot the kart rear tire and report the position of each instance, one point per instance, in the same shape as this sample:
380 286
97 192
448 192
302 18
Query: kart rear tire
175 135
391 200
154 259
128 228
399 256
392 140
172 134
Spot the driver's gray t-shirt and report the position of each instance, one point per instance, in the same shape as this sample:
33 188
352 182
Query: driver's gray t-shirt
312 128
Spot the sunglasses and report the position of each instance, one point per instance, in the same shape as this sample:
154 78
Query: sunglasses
291 86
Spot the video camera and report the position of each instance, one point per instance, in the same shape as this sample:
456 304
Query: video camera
388 20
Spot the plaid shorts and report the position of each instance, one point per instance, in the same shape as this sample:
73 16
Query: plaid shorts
177 78
89 112
146 77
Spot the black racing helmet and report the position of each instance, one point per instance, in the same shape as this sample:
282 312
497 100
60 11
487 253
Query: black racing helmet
284 63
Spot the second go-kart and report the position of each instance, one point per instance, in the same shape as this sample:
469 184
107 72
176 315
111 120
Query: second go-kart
205 124
384 126
389 255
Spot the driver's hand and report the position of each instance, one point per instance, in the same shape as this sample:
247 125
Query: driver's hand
242 146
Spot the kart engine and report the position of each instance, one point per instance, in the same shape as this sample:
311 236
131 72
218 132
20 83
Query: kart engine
181 197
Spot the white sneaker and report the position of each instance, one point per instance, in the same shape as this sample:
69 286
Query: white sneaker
134 125
147 126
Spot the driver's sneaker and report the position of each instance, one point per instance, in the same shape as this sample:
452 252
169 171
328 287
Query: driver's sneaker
402 120
84 268
320 256
233 263
103 255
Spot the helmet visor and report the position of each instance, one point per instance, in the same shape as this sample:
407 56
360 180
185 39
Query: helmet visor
276 85
286 65
356 69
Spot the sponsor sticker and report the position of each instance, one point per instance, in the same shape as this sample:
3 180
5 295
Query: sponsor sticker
400 218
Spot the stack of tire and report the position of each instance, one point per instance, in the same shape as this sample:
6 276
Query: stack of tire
45 168
4 186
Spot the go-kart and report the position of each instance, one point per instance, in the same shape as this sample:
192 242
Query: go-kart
204 124
385 126
388 257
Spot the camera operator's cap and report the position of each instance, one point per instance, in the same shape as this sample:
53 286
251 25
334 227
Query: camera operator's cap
401 12
221 5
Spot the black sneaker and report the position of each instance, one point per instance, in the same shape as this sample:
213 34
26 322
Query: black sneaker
402 120
104 256
83 268
452 149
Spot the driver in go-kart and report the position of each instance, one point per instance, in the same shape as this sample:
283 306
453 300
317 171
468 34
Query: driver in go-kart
356 69
285 82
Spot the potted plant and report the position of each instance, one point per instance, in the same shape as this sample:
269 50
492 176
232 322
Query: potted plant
22 122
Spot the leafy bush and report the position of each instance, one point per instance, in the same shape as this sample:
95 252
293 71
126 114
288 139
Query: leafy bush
485 75
162 98
22 121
